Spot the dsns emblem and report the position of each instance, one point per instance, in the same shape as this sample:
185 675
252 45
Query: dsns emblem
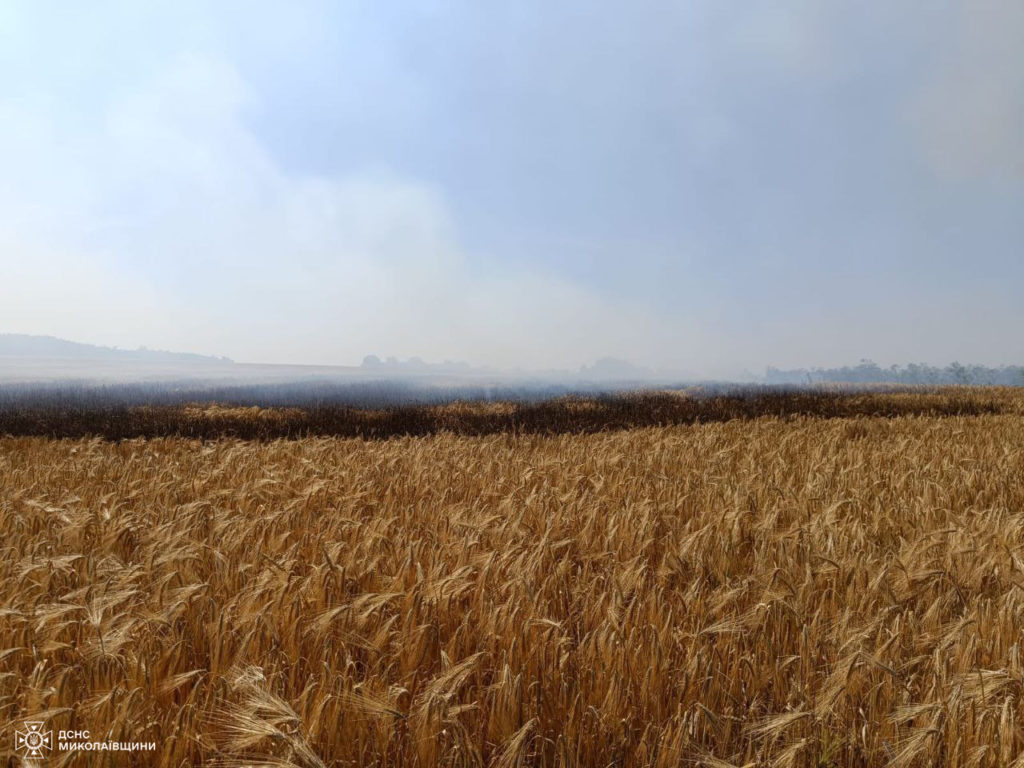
33 740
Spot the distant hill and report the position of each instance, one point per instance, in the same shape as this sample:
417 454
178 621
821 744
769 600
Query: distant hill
26 347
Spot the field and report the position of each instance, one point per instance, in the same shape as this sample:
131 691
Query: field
820 582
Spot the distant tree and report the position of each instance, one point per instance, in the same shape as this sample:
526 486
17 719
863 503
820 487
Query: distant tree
961 376
868 372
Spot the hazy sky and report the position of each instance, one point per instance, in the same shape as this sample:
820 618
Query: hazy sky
709 186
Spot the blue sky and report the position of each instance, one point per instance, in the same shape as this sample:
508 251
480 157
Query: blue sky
704 186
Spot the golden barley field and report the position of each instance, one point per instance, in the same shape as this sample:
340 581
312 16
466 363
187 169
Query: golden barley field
795 591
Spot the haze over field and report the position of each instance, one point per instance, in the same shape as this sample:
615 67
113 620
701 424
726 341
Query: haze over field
711 188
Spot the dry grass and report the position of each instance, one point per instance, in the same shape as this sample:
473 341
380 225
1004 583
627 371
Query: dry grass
789 592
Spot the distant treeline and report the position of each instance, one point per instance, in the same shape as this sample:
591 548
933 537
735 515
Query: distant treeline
914 374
